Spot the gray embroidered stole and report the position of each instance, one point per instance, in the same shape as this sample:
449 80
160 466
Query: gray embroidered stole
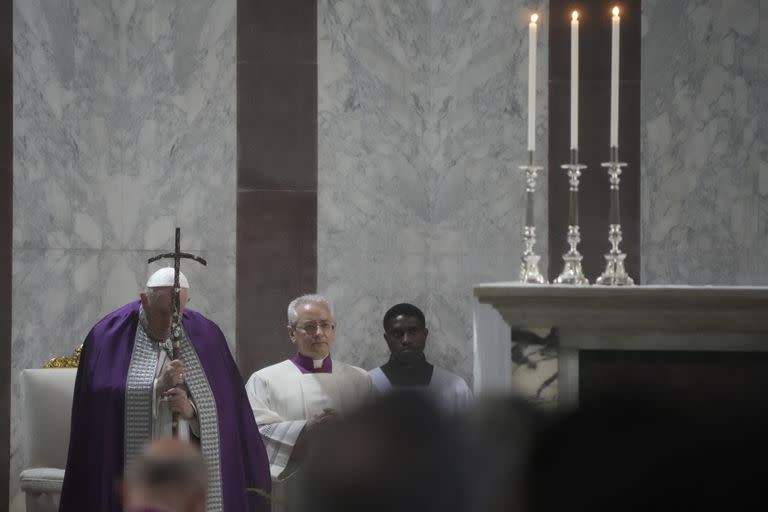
209 423
138 407
138 394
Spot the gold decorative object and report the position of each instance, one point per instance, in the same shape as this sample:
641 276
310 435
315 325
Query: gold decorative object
65 362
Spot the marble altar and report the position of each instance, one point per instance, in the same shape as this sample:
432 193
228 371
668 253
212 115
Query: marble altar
638 318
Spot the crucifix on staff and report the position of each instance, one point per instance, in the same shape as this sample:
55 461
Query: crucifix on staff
174 339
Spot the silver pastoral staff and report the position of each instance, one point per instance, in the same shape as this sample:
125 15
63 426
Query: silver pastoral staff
176 332
529 267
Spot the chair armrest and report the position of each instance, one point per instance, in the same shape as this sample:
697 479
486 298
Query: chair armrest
42 480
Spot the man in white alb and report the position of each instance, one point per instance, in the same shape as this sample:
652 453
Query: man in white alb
406 333
294 399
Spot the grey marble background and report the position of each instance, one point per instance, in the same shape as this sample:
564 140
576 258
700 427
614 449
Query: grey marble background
124 127
422 124
704 142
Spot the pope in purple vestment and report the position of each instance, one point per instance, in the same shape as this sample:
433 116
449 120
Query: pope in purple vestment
102 419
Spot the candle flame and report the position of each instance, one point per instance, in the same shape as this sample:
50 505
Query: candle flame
534 18
575 15
616 11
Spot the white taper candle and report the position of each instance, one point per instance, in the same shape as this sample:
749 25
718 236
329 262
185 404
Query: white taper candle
532 83
575 80
615 78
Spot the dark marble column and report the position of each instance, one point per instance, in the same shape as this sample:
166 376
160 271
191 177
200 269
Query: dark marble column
277 172
594 119
6 227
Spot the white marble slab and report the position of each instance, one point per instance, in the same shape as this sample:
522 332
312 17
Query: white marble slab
672 308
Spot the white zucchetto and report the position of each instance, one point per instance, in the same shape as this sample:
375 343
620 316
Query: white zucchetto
164 278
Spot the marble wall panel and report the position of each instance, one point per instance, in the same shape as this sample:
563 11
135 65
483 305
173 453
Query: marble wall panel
371 238
422 112
124 128
703 139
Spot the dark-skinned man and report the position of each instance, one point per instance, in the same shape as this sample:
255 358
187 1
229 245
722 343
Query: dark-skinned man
405 332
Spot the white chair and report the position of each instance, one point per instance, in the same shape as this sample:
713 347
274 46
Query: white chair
47 412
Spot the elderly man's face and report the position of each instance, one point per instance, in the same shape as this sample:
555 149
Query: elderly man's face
159 310
315 330
406 337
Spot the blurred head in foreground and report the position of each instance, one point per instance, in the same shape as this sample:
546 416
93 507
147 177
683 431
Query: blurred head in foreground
168 476
497 435
395 453
631 453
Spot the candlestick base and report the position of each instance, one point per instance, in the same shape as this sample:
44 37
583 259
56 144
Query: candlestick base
615 274
529 267
572 272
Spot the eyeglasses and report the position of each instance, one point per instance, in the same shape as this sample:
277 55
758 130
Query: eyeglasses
311 327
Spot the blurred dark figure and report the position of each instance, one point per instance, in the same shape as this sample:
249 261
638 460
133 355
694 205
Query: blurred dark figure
396 453
630 453
497 434
168 476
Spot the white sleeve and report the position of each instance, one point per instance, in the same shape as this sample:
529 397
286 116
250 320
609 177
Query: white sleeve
463 395
362 382
370 390
279 435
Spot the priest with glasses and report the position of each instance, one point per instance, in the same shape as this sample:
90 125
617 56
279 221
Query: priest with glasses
294 400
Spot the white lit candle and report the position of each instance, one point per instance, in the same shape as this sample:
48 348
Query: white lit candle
574 80
532 83
615 79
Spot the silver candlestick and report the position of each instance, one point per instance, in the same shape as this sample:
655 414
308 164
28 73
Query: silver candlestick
529 267
615 273
572 273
